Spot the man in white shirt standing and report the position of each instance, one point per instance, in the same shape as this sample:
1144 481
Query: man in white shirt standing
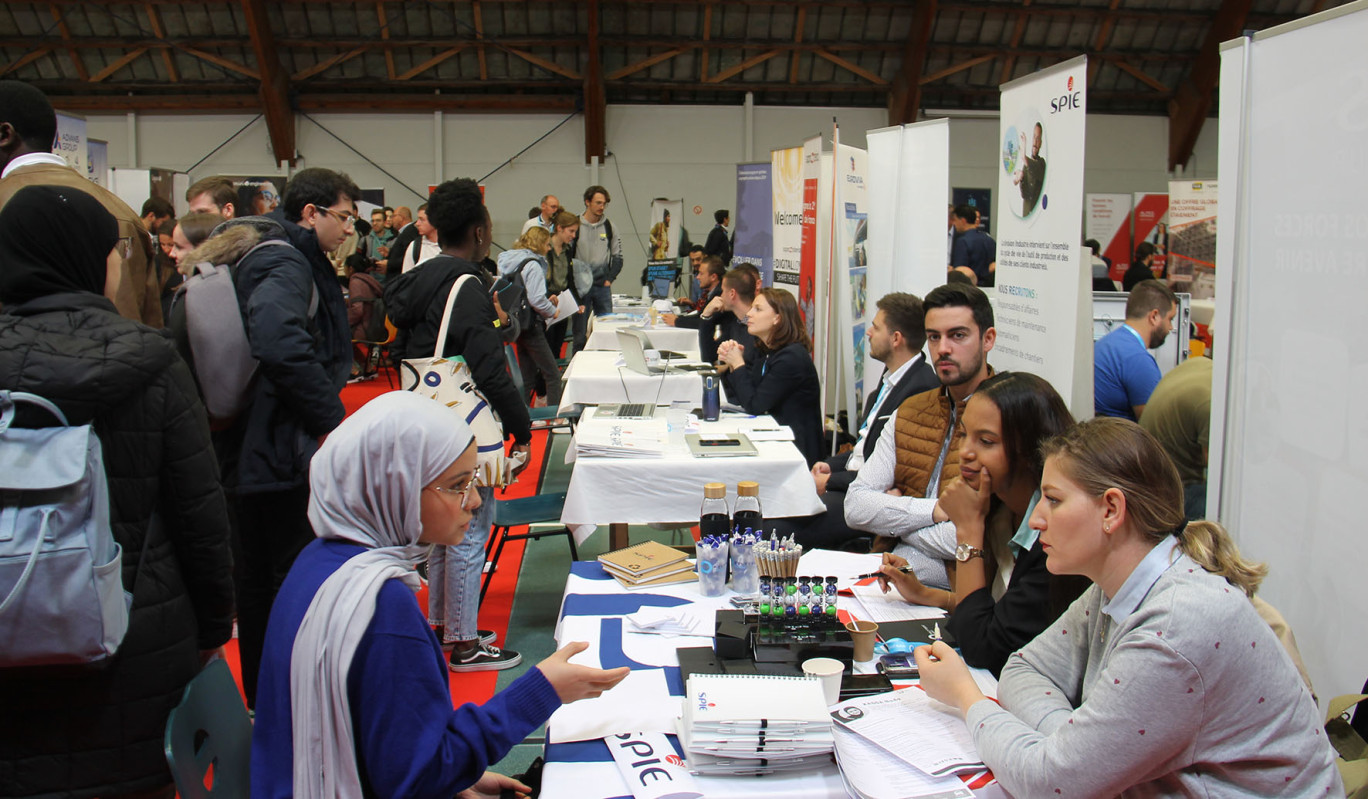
426 244
549 206
896 337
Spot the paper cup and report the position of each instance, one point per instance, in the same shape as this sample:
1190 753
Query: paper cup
829 671
863 632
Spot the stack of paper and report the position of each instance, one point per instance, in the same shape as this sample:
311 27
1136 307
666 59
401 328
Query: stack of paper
622 438
870 773
681 620
648 564
754 724
914 728
879 607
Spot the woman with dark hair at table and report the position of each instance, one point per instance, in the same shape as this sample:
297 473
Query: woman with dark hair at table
1003 595
778 378
1162 679
97 731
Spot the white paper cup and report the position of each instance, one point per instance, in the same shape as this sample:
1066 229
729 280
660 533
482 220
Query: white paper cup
829 671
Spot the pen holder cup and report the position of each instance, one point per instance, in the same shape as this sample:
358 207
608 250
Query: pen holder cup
712 570
745 572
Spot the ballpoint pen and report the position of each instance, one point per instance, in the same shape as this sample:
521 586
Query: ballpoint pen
904 570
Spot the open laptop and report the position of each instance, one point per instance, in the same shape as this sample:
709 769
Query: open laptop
633 344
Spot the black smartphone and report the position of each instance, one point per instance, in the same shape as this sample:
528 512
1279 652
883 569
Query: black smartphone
898 667
854 686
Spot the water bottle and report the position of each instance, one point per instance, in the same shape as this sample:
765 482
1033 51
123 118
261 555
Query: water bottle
747 514
713 517
712 398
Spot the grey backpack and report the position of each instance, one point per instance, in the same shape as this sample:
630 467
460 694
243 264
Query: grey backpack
221 356
62 599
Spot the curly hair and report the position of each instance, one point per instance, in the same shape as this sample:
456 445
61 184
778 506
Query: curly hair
456 209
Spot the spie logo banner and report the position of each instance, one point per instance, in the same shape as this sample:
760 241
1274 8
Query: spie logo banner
675 760
1070 100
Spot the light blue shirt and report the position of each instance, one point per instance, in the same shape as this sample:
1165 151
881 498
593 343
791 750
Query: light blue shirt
1026 537
1138 584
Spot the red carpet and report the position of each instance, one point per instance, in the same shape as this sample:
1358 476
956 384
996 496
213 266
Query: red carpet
498 605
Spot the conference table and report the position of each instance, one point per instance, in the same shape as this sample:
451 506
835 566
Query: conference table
619 491
603 332
592 609
594 377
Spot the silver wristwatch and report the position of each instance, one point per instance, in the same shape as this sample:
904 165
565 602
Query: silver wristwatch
964 552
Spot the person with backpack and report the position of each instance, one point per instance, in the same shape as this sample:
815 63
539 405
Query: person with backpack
525 264
296 325
566 272
97 730
417 301
599 247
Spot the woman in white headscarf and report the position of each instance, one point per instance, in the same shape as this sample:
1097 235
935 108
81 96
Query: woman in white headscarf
354 696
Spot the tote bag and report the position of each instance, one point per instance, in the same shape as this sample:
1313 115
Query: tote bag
449 381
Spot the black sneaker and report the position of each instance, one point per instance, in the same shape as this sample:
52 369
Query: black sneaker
486 637
483 658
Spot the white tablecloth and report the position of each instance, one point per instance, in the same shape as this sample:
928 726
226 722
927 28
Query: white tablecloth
603 335
670 488
594 377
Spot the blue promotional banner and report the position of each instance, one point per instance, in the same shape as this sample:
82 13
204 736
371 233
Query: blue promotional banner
754 242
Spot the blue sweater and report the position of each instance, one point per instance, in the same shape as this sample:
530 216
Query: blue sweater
409 741
1124 373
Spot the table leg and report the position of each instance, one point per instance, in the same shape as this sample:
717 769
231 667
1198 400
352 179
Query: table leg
617 536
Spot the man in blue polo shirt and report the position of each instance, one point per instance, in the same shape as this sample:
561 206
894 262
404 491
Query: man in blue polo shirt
1124 373
973 248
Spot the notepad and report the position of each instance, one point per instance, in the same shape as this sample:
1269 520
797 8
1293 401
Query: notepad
642 559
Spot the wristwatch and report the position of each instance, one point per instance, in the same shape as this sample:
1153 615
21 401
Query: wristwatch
965 552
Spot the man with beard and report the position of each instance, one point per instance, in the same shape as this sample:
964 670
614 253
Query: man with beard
917 454
1031 177
1125 374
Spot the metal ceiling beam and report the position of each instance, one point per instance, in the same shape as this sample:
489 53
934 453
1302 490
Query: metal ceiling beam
1009 62
385 37
646 63
595 96
737 69
75 56
1192 101
219 60
548 65
960 67
430 63
904 96
168 60
327 64
25 59
275 84
1104 30
479 34
1140 75
201 101
120 63
799 24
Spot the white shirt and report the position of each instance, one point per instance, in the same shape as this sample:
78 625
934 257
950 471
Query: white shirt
536 221
430 249
890 379
30 160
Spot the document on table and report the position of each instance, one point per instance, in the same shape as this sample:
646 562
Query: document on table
881 607
872 774
566 307
913 727
640 703
846 567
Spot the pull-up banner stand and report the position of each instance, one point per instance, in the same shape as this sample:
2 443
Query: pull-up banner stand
1044 297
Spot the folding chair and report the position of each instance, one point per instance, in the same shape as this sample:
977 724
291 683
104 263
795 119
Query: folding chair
509 513
209 737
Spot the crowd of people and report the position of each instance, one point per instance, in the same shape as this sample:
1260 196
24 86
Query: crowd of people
1061 550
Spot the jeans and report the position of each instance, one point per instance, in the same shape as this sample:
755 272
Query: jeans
600 299
534 355
454 577
273 527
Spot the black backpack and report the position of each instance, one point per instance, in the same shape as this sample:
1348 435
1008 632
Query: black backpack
512 291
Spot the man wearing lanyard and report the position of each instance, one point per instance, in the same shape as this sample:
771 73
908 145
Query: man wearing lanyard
1124 373
896 337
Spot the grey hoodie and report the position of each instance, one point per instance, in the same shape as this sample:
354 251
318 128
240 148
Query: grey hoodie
533 276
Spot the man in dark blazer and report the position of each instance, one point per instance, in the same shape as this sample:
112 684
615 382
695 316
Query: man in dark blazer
719 243
896 337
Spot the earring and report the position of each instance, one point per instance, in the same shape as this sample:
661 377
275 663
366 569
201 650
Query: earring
1106 528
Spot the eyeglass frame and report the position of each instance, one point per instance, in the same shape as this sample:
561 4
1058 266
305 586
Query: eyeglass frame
463 493
346 218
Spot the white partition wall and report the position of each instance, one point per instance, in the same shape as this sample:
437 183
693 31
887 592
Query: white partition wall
1290 450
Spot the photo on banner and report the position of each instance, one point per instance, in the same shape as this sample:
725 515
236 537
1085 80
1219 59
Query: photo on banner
1192 237
1149 223
980 200
753 241
1108 223
786 196
257 194
852 250
1044 301
807 271
662 268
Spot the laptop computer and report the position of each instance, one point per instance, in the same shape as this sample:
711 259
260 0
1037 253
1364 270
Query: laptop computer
633 344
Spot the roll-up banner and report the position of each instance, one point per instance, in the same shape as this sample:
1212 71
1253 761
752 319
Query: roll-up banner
1149 223
1044 301
666 218
1108 223
851 270
786 194
71 140
754 238
1289 439
1192 237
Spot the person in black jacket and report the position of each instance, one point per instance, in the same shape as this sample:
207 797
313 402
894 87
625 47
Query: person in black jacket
724 317
778 377
719 243
416 301
98 731
296 322
1003 595
709 274
560 276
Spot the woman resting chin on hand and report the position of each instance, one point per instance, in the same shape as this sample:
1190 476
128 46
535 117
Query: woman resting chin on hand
1162 679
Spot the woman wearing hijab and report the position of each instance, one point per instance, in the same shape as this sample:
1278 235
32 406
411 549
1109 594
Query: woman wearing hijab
354 697
98 732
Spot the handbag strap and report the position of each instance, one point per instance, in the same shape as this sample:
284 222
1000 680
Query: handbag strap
446 314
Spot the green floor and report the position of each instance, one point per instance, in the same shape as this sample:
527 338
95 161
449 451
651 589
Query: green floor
545 565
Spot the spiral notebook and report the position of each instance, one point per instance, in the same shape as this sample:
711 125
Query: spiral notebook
755 716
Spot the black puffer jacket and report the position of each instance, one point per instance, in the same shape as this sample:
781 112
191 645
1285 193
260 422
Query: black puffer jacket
304 362
415 301
99 732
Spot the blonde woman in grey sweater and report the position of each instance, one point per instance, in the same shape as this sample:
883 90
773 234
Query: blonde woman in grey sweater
1161 680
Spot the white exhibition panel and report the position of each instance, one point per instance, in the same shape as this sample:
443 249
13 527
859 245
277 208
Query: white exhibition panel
1043 297
1295 461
